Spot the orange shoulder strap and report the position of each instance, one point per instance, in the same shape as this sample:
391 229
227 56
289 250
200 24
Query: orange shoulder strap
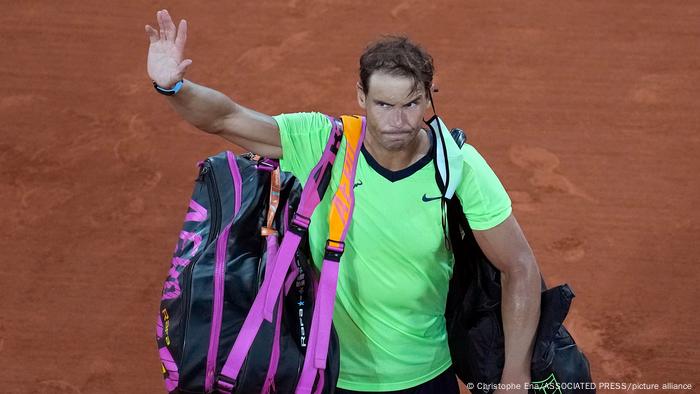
344 199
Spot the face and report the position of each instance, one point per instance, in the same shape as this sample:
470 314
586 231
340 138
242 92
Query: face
394 113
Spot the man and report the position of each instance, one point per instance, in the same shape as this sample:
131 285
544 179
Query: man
395 271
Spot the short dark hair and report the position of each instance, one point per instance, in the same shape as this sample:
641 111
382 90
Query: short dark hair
397 55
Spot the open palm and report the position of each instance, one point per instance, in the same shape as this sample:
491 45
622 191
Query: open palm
166 51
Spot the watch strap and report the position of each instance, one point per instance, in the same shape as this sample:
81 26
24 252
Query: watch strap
168 92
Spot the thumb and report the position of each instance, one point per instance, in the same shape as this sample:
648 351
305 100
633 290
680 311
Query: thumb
182 67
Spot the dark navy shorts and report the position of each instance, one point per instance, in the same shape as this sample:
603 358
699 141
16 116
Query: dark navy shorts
445 383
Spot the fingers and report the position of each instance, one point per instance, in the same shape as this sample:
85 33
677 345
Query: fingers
162 25
152 34
168 25
161 31
181 36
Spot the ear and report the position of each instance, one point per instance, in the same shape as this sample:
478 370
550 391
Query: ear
361 97
433 90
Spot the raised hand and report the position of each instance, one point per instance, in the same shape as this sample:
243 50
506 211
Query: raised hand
166 50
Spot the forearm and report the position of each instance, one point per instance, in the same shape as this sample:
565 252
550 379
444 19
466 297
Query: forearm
203 107
520 309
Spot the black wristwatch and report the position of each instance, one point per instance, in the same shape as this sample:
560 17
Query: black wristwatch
171 91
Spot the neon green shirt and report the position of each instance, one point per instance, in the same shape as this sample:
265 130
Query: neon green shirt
395 272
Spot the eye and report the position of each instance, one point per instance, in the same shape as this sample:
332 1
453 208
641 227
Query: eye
411 105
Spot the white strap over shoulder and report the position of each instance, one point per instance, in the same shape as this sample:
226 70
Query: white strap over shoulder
448 157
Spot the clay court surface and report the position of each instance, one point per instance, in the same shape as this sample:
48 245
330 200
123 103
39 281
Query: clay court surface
588 111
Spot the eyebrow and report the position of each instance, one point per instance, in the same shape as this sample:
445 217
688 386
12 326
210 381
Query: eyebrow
409 102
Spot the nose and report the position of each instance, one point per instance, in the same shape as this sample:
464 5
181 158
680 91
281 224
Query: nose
397 117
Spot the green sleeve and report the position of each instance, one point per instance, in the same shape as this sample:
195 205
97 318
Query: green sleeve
304 136
484 200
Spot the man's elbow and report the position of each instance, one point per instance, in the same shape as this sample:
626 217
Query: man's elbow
522 268
522 282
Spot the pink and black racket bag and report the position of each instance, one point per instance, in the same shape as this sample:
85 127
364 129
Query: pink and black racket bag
223 326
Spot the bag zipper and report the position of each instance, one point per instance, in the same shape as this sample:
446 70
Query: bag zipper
215 207
218 302
213 190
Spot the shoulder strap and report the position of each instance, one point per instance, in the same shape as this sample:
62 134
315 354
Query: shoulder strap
343 201
448 163
339 222
447 158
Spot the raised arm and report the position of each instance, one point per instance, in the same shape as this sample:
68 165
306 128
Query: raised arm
207 109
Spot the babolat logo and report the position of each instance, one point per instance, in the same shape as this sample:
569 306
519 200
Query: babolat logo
550 385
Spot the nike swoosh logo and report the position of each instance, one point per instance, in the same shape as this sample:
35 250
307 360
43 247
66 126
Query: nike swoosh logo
426 198
357 184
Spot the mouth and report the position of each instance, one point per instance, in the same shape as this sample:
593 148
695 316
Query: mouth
396 135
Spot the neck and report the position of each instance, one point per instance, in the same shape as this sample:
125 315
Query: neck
395 160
